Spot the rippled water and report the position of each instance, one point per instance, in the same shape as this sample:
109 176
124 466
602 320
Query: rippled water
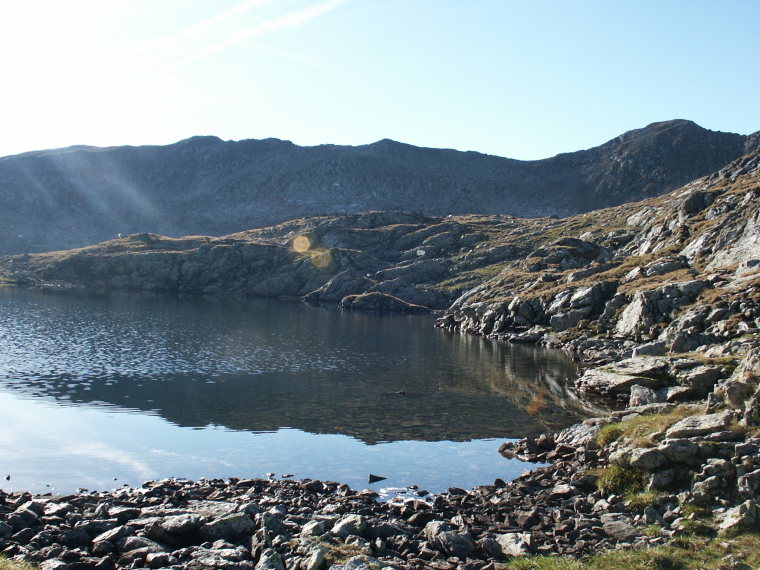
97 391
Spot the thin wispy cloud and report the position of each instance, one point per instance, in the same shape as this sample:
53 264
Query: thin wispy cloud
286 21
206 24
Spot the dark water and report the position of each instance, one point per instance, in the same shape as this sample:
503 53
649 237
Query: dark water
96 392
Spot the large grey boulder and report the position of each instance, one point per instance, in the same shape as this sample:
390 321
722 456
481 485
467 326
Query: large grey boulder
655 306
568 319
132 543
648 459
580 435
181 524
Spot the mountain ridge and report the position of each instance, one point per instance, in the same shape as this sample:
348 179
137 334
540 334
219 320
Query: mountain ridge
64 198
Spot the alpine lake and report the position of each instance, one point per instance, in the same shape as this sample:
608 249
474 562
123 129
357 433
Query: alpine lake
99 391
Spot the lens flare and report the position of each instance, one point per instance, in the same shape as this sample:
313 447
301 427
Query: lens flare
301 244
322 258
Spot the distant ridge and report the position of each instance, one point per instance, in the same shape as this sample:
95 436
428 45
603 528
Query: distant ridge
63 198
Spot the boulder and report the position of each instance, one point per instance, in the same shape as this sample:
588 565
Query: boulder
313 528
568 319
679 451
619 527
350 525
647 459
700 425
132 543
181 524
656 348
642 396
610 383
515 543
270 560
230 527
742 517
441 537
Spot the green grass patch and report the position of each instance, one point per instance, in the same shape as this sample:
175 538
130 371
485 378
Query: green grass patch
641 428
545 563
637 502
8 564
652 530
610 433
696 527
687 553
621 481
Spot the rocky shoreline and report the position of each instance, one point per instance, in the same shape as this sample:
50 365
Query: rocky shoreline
240 524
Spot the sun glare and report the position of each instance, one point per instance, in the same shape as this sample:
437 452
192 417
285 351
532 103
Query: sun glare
301 244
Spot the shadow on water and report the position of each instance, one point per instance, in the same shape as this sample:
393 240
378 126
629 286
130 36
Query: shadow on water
265 365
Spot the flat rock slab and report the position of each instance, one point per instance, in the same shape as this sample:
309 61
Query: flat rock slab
640 366
619 528
606 382
212 509
701 425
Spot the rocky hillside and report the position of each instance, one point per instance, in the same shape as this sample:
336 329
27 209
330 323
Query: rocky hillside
679 270
57 199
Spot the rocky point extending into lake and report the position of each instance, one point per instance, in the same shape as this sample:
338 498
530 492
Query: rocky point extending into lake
659 299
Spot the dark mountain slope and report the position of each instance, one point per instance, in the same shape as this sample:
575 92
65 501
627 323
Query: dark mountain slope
69 197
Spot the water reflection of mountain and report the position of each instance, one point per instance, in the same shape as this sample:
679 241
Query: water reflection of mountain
330 403
260 368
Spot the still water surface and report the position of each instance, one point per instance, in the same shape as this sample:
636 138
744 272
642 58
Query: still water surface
96 392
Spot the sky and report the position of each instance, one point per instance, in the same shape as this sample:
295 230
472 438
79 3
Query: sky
524 79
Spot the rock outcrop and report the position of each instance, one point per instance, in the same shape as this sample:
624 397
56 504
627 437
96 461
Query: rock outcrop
677 273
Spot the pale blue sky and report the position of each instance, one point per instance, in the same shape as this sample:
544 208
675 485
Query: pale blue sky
526 79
